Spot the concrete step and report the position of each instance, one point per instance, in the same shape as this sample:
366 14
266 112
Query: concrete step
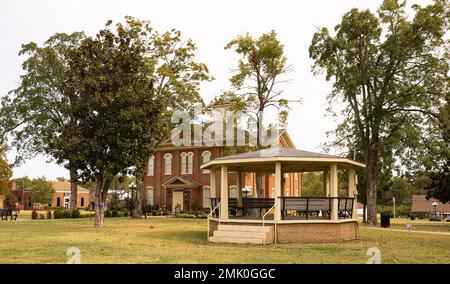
236 234
244 228
233 240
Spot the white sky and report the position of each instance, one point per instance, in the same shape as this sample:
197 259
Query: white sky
210 24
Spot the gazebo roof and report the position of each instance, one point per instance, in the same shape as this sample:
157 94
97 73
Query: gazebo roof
293 160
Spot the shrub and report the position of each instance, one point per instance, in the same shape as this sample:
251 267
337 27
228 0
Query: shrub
125 214
49 214
196 206
75 213
66 214
107 213
203 216
188 216
41 216
34 214
115 213
58 214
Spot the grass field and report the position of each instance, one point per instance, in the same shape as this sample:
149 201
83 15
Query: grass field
173 240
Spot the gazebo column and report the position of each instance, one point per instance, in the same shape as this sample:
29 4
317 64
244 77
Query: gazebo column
352 191
334 191
212 184
224 192
239 188
277 213
326 183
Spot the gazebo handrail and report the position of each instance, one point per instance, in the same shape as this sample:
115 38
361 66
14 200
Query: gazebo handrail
275 221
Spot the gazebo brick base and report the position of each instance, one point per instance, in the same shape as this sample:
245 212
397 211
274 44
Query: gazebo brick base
310 232
317 232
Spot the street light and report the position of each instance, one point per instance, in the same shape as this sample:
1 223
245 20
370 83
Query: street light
246 190
435 204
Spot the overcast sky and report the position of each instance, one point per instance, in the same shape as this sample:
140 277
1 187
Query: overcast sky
210 24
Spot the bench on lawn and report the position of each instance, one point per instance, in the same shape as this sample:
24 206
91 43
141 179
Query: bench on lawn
258 203
306 205
6 212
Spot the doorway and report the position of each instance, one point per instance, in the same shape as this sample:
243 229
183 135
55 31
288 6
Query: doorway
177 200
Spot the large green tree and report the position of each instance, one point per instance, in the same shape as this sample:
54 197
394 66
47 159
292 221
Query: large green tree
112 97
33 113
439 186
390 72
5 172
176 79
41 191
256 82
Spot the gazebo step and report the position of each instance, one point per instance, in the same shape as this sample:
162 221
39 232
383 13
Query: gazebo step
240 234
243 228
234 240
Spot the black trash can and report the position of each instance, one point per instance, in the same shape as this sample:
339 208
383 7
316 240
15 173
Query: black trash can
385 220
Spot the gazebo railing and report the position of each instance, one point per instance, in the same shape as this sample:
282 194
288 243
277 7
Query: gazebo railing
316 205
275 223
217 207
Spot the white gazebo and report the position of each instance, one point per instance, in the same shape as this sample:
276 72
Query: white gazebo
283 219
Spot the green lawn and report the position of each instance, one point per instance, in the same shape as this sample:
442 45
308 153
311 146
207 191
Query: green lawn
171 240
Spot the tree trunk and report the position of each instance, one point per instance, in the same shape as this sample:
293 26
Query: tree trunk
138 198
364 213
258 176
259 188
73 189
101 193
371 174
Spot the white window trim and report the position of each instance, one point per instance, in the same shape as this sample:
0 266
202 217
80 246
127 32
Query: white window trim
153 194
190 163
206 204
166 157
151 166
183 162
206 153
234 187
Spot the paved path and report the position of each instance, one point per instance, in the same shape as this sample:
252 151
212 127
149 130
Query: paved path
407 231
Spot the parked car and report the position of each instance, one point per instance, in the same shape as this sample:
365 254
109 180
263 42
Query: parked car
447 218
435 217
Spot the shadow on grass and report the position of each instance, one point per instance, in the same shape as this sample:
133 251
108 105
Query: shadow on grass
189 237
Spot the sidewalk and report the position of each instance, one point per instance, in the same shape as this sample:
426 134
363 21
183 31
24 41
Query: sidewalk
407 231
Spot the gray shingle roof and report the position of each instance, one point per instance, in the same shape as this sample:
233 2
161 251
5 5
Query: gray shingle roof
278 153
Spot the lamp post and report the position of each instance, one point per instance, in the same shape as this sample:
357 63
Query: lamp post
246 190
435 204
132 187
393 202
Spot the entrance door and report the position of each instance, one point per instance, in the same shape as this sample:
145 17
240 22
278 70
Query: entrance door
177 199
187 200
66 202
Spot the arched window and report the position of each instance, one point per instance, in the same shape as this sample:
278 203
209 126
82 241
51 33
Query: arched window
233 191
190 162
151 166
183 157
206 157
167 164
